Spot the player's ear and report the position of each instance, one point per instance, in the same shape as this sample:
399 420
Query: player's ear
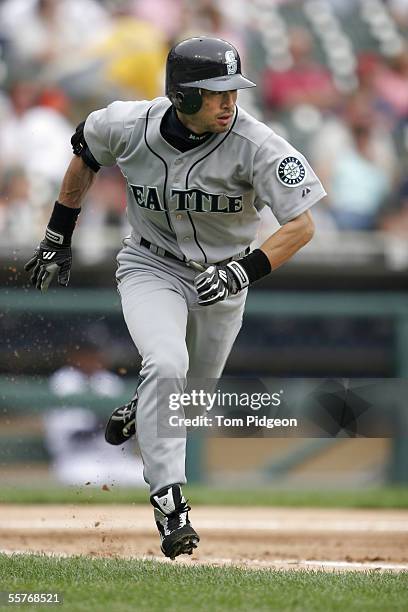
179 98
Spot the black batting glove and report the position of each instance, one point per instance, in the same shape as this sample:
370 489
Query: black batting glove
216 283
49 260
53 255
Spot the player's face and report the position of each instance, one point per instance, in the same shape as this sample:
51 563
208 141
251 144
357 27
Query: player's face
215 114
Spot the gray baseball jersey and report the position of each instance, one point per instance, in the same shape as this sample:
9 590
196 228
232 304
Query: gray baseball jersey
202 205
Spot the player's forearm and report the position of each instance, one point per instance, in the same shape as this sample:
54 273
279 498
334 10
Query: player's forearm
76 182
218 282
53 255
288 240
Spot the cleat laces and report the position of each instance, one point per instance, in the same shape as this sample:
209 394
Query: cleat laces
174 519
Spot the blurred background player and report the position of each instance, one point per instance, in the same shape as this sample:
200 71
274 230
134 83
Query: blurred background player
74 435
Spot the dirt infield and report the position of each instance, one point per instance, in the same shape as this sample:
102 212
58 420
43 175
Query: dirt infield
258 537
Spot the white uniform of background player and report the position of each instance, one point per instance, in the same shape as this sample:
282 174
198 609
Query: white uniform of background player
199 205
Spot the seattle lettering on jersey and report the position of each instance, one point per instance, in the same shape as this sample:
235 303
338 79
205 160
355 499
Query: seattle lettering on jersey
188 200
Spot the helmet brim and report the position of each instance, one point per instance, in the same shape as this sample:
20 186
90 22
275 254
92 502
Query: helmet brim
222 83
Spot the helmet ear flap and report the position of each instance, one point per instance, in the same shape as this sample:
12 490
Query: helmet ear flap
188 101
178 99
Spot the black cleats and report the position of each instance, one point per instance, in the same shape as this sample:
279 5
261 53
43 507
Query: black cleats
180 542
122 422
171 513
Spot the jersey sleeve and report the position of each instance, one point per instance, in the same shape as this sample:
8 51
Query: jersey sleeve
104 134
284 180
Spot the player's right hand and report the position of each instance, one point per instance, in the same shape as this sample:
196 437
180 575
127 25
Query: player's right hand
48 261
216 283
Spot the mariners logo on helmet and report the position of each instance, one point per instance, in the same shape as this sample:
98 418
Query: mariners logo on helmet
232 64
291 172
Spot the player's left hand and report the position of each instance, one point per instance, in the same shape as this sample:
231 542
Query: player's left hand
47 262
216 283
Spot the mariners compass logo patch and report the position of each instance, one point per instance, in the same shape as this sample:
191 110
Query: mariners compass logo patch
291 172
232 64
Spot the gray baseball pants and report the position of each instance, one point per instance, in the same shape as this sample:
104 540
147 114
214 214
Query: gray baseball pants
176 338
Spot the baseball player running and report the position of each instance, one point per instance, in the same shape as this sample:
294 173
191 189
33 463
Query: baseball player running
198 170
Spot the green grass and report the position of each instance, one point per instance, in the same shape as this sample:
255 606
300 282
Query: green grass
386 497
122 585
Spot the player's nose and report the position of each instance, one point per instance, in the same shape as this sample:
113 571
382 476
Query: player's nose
228 99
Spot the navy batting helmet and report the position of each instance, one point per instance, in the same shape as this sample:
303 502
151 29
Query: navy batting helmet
202 63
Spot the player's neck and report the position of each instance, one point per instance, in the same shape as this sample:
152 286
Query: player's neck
189 124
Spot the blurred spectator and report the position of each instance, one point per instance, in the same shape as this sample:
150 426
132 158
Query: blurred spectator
80 455
75 436
235 12
35 140
16 213
343 7
211 20
87 372
399 10
305 82
131 56
42 31
35 137
391 83
396 221
369 66
357 163
167 16
211 17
